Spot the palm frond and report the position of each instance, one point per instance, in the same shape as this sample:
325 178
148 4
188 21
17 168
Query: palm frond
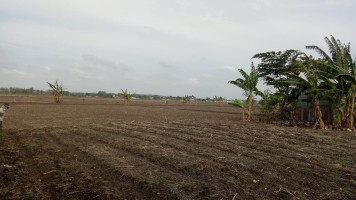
237 103
322 53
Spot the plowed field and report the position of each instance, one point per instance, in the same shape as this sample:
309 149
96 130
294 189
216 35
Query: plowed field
150 150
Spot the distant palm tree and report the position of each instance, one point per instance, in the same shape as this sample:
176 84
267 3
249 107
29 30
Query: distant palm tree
57 91
248 84
127 96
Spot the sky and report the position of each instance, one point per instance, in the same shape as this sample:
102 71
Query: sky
165 47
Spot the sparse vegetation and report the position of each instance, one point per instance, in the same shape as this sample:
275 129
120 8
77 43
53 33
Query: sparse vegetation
57 91
127 96
186 99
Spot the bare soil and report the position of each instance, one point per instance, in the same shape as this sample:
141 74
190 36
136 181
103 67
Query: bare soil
102 149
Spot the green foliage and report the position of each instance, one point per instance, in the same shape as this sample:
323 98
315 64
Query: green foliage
239 104
270 106
274 64
338 71
127 96
56 87
273 69
332 77
249 81
249 84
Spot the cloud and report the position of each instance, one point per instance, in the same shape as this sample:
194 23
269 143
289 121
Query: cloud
92 61
193 81
229 68
206 75
16 72
2 52
81 72
150 48
167 65
47 68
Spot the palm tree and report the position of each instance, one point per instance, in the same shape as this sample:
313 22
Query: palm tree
248 84
57 91
341 69
127 96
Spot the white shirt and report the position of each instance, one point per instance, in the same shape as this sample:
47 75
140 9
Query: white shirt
2 113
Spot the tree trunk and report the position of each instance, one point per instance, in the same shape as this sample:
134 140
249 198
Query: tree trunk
243 114
350 112
127 102
249 114
318 113
337 114
294 116
56 98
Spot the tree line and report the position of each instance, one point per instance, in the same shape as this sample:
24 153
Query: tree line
101 94
292 73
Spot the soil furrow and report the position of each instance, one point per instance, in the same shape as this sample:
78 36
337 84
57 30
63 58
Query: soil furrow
286 169
170 183
259 151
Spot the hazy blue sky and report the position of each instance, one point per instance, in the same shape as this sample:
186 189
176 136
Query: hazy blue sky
166 47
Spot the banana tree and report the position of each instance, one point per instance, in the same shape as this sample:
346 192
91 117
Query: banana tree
127 96
239 104
341 69
313 82
249 84
57 91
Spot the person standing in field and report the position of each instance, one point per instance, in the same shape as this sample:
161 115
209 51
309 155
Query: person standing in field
2 113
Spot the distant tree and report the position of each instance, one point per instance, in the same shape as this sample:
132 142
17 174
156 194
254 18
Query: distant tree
220 100
57 91
186 99
102 94
156 97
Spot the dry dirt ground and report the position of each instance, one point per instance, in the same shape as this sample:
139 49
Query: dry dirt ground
101 149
